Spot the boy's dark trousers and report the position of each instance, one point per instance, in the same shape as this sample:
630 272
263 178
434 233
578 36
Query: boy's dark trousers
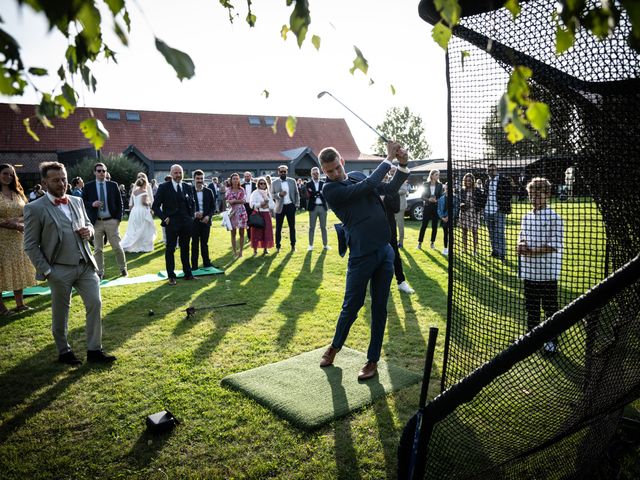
543 293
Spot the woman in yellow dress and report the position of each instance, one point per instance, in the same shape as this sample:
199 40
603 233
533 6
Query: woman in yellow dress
16 270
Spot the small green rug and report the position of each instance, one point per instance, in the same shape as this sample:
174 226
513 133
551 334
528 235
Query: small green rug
308 396
117 282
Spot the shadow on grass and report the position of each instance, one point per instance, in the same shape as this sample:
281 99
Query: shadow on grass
147 448
256 292
37 302
345 452
304 289
386 429
39 371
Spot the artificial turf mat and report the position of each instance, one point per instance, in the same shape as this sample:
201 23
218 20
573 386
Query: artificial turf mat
308 396
117 282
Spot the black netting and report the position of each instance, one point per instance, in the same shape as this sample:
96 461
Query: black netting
552 414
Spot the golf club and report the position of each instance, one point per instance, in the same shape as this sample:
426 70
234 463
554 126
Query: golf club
322 94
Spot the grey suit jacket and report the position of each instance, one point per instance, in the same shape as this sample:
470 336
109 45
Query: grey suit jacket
276 188
42 233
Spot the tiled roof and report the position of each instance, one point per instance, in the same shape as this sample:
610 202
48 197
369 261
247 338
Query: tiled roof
177 136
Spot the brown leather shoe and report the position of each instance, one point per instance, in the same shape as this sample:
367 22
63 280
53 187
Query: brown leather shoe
328 356
369 370
172 281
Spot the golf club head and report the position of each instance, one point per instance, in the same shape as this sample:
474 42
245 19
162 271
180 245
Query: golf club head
322 94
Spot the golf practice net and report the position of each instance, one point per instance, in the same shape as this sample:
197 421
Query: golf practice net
545 405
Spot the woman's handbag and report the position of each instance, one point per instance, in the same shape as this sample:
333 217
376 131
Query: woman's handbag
256 220
226 221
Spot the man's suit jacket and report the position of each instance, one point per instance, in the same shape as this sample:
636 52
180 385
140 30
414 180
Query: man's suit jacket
114 200
214 189
43 234
254 186
208 203
165 203
356 202
503 194
276 188
312 194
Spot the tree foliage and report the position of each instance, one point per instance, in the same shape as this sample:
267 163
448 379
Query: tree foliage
521 116
82 23
121 168
405 127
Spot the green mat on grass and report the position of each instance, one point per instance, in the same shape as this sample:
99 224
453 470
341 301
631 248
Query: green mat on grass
117 282
308 396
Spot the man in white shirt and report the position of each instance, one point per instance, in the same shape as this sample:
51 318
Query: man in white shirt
285 192
57 230
317 207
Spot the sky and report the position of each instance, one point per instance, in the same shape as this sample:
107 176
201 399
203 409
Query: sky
234 63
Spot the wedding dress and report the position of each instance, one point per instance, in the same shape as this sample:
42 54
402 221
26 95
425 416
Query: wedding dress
141 231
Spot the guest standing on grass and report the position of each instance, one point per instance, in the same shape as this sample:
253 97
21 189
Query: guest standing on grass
470 208
238 214
540 256
355 199
391 201
284 190
16 271
77 184
262 203
174 205
317 207
103 203
447 218
57 230
402 193
204 208
498 205
430 196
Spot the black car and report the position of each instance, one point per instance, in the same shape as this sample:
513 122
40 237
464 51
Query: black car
415 205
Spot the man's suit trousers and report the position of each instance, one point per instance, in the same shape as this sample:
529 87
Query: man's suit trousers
85 280
376 267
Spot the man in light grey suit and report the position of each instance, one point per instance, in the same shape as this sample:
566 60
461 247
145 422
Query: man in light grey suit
284 190
56 234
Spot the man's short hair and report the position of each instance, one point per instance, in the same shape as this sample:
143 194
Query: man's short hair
167 178
492 165
99 164
46 166
75 181
328 155
198 172
315 168
283 166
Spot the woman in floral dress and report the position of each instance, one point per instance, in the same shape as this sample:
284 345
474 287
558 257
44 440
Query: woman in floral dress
16 270
238 214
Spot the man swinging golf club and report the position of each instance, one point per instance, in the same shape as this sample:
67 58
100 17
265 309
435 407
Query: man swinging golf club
355 199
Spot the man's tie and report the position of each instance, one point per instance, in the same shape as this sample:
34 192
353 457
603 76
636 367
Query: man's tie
102 197
179 190
61 201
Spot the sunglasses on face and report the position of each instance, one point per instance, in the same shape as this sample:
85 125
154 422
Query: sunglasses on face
99 170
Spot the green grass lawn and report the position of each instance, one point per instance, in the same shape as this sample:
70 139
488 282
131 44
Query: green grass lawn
59 422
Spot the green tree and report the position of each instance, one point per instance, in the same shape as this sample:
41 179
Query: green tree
405 127
121 168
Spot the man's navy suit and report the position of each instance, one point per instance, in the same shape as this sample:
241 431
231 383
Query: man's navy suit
179 208
114 200
356 202
201 230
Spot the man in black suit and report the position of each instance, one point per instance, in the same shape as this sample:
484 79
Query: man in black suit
215 189
103 203
174 205
249 187
355 199
204 207
317 207
498 205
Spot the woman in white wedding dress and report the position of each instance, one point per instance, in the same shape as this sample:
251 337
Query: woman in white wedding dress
141 230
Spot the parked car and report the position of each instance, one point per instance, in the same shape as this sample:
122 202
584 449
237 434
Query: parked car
415 205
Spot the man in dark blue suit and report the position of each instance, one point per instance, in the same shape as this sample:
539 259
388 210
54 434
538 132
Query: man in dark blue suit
355 199
174 205
204 207
103 203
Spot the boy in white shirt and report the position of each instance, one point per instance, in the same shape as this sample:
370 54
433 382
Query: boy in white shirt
540 256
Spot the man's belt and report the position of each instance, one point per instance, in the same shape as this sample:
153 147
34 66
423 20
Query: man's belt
104 219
